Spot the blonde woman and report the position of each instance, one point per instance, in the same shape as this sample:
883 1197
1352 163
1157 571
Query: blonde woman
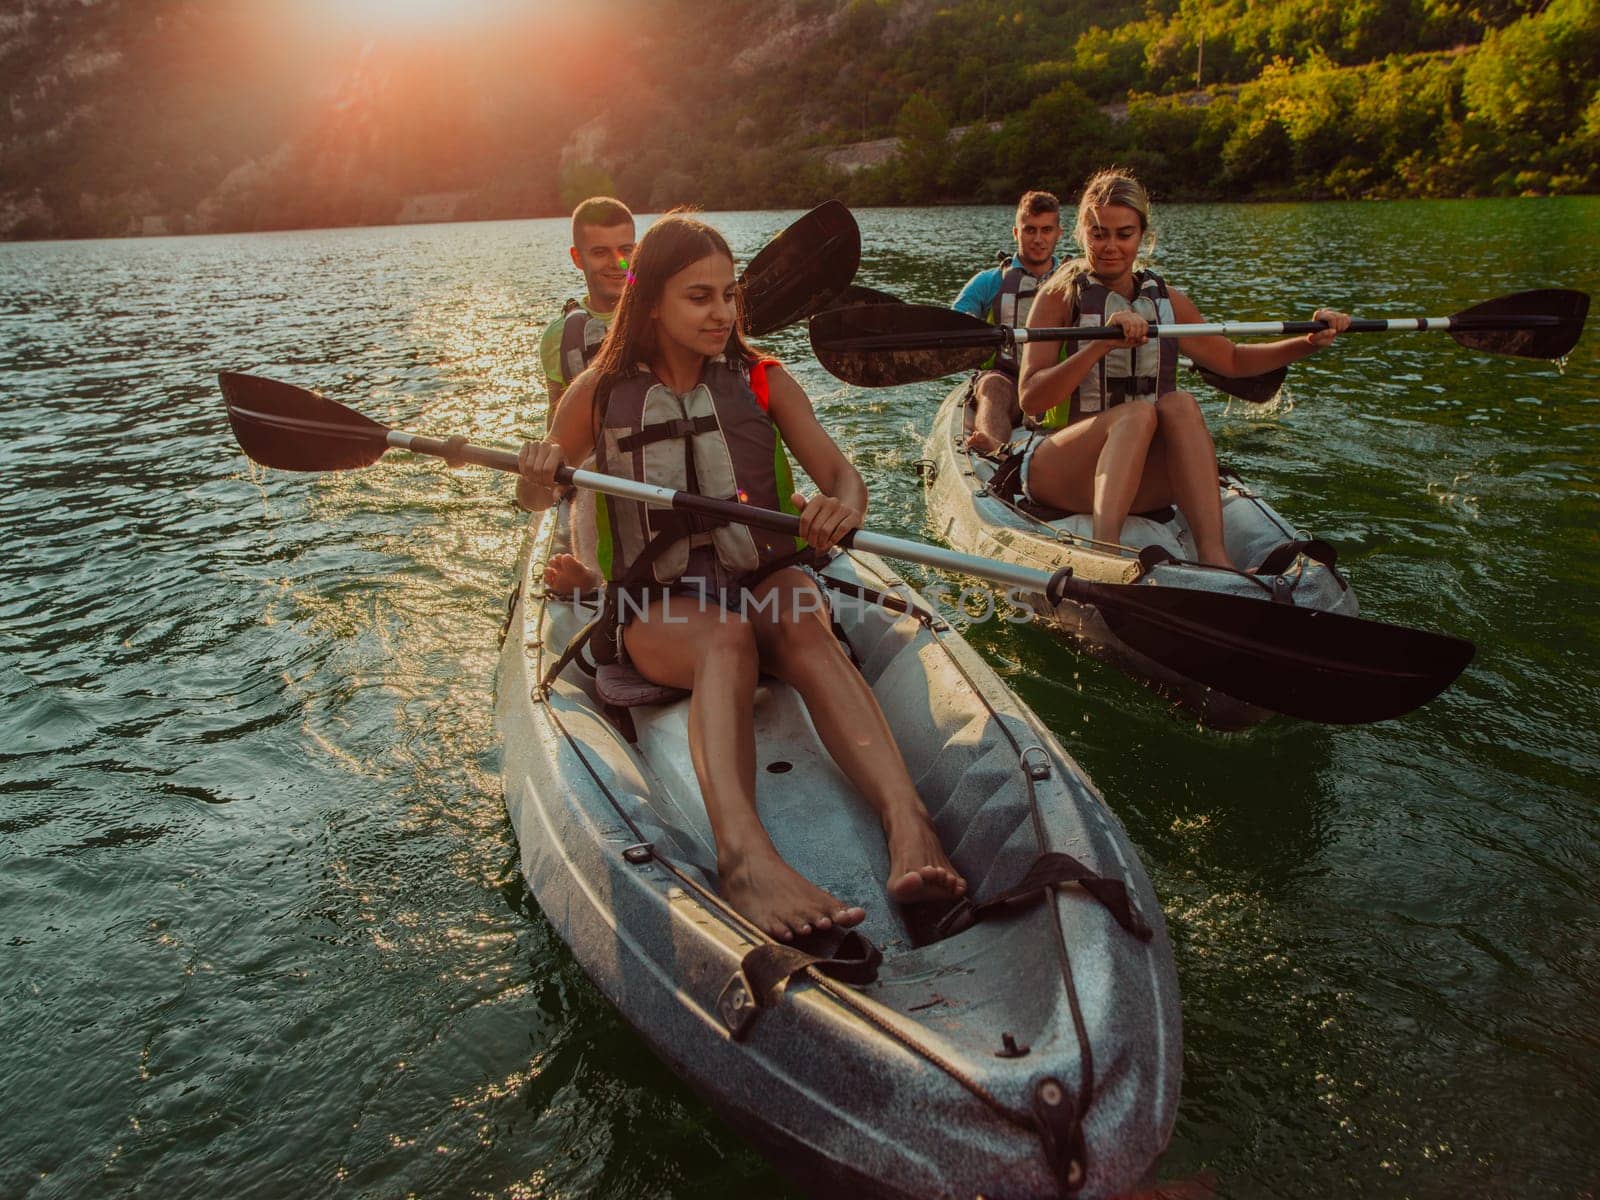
1119 436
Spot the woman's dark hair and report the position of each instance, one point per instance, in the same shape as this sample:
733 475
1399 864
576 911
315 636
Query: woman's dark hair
674 242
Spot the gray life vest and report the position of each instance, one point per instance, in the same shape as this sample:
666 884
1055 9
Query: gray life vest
1010 306
716 440
580 338
1145 372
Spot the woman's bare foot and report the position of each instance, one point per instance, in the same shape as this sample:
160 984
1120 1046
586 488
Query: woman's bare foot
772 894
565 574
980 442
918 866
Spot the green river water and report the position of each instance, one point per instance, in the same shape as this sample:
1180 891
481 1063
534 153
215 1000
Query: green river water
264 929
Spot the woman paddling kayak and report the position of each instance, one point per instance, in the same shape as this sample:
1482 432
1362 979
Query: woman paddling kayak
676 397
1099 454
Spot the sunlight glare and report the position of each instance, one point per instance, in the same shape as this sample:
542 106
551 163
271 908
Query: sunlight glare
417 16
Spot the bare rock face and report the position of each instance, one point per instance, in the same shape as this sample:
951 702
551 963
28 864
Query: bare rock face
25 216
588 142
908 20
786 35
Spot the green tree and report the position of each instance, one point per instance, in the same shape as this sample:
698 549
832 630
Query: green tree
1258 155
1536 75
1055 143
580 180
924 146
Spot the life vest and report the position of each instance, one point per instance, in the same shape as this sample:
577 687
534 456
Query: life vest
1144 372
581 336
716 440
1011 304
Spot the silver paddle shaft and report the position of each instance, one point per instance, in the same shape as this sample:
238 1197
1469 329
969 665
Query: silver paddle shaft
1232 329
729 510
861 539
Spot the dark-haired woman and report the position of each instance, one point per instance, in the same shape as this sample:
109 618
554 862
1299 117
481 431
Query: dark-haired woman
677 398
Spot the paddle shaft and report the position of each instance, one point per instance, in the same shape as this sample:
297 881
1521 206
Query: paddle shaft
732 511
1302 662
993 336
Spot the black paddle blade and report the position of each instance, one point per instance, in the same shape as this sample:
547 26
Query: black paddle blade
1491 326
860 293
1318 666
1257 389
800 271
881 345
280 425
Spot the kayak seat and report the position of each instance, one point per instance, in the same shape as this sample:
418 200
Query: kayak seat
620 685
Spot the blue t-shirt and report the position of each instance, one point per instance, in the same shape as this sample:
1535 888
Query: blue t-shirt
978 296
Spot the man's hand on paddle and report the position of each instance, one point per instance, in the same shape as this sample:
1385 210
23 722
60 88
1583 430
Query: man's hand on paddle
536 481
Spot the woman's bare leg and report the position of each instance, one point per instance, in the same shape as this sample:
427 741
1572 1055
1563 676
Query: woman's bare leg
679 643
1190 459
792 629
1097 466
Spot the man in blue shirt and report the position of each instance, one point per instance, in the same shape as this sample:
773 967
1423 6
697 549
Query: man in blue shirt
1002 295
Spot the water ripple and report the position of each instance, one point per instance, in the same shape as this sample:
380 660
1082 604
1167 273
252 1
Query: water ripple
265 932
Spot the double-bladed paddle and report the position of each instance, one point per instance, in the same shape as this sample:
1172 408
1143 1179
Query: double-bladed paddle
1305 663
803 270
880 345
1258 389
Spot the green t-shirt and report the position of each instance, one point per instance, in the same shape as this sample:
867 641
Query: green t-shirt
555 373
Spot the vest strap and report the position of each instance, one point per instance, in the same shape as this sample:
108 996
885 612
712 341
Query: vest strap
663 431
1119 388
667 529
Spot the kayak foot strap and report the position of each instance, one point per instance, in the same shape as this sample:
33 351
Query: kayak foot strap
1153 556
764 973
1282 557
1047 871
1061 1131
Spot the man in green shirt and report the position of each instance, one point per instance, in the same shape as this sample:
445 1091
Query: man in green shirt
602 244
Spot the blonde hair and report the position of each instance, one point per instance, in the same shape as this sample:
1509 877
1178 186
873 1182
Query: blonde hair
1114 185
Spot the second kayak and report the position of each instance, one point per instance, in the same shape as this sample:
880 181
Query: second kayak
1287 566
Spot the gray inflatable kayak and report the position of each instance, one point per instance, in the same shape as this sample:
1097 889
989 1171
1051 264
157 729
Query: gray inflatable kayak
973 520
1021 1048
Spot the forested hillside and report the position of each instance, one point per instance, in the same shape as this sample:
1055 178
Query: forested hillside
181 115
